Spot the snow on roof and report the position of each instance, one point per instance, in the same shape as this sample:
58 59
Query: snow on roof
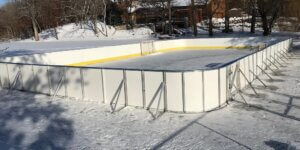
188 2
182 2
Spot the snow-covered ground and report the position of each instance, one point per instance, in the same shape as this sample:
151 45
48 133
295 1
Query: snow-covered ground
30 121
73 32
187 60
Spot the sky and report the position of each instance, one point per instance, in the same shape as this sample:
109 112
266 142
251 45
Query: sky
2 2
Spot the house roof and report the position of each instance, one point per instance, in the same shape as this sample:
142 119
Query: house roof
175 3
181 2
188 2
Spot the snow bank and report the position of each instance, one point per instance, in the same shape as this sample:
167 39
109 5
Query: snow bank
73 32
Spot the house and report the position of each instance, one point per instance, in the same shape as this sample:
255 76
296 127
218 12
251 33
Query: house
181 12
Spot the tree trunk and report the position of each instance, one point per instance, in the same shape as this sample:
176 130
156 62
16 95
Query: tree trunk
194 18
170 17
265 25
227 21
227 26
210 30
35 30
253 20
55 32
104 18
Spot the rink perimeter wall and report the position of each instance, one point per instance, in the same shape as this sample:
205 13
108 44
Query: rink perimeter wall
175 91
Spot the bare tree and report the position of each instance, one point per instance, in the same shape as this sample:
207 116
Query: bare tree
194 18
212 8
253 10
227 17
31 9
269 11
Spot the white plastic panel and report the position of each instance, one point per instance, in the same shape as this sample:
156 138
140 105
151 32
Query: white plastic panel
28 78
193 92
233 69
4 77
152 82
112 81
265 59
15 79
56 77
251 67
211 90
223 85
41 79
259 62
93 87
255 64
243 82
74 83
174 92
246 70
134 88
274 52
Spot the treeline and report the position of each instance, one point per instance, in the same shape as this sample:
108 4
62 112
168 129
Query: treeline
26 18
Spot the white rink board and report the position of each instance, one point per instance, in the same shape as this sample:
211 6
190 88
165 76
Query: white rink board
152 83
73 83
28 78
223 85
41 77
247 68
93 86
174 92
211 86
4 77
134 88
56 77
243 68
251 67
193 91
13 72
259 63
112 81
255 64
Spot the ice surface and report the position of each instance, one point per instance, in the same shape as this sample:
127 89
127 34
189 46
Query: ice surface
188 60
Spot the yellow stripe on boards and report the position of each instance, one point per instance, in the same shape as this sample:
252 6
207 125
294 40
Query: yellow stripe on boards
117 58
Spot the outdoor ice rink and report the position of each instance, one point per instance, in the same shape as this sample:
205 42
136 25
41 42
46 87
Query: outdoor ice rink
187 60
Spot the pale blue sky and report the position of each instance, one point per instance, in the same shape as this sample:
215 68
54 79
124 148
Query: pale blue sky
2 1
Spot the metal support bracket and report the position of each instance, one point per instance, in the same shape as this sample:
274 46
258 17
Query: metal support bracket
14 83
58 87
277 61
263 71
268 67
272 63
114 101
257 77
159 92
250 84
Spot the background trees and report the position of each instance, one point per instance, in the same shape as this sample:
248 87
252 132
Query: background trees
26 18
269 11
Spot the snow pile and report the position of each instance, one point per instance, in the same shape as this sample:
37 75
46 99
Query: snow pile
73 32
